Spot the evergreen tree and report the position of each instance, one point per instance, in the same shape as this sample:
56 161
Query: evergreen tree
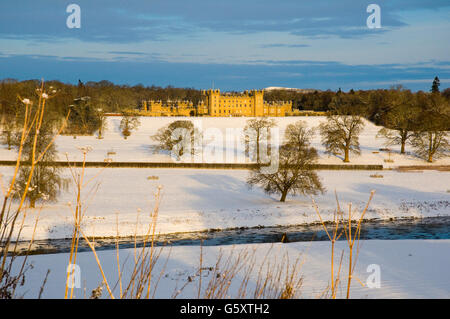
435 86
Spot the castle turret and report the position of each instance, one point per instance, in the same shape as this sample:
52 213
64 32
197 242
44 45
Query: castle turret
258 103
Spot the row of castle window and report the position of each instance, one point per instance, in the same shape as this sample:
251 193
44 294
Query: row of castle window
239 111
240 105
225 111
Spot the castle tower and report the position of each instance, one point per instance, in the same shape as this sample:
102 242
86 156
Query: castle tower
212 101
258 103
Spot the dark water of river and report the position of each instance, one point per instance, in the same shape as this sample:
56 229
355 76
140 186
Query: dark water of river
424 228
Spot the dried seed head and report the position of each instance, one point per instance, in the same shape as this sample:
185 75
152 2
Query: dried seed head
26 101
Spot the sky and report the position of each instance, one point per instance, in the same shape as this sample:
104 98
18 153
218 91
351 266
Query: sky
231 45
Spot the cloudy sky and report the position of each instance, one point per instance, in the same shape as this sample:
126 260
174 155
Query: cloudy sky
235 44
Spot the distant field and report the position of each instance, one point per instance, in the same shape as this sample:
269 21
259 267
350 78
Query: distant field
139 146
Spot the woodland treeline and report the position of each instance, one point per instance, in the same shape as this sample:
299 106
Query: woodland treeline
89 100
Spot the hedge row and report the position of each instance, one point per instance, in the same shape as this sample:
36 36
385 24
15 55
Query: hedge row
196 165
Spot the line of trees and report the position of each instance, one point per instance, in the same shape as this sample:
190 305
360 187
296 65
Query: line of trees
103 95
419 120
111 98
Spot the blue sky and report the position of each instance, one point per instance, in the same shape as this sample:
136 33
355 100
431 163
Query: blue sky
238 45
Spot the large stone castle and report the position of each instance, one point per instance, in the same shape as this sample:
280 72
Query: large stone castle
214 103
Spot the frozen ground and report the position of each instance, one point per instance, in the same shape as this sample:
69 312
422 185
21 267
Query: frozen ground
138 147
195 200
408 269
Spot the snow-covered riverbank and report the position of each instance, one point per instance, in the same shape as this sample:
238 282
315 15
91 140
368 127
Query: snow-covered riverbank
408 269
196 200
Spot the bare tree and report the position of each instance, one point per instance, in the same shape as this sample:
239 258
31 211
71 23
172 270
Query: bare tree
295 174
128 124
8 122
45 183
340 133
401 119
7 134
256 130
84 118
177 137
102 124
430 141
431 145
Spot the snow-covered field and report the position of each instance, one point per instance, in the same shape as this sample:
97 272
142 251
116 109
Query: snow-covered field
198 200
195 200
408 269
139 146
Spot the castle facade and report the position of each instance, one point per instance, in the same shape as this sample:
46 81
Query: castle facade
216 104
